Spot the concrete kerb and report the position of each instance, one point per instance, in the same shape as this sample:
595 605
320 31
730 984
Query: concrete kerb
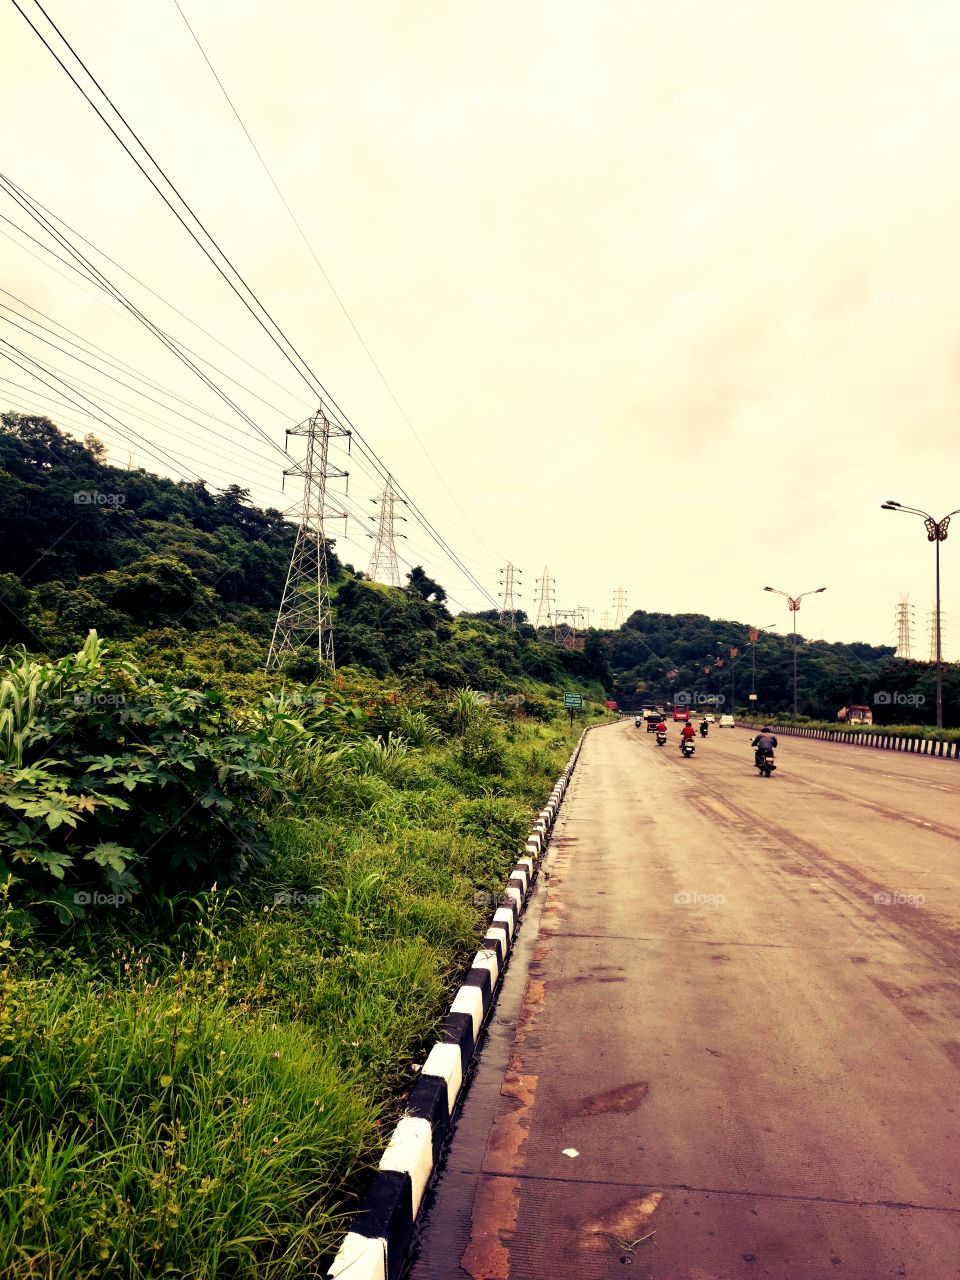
942 748
376 1245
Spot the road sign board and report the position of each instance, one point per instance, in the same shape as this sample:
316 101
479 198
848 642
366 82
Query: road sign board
573 700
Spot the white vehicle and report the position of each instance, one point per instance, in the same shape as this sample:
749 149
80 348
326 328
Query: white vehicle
710 718
727 722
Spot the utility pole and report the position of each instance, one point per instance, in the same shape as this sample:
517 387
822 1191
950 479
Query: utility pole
383 562
932 627
304 617
936 533
904 627
545 602
605 619
619 608
585 612
508 610
793 603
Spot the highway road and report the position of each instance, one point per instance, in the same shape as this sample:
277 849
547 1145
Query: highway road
728 1044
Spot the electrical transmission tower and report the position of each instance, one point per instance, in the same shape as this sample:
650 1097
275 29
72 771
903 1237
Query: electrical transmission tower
585 612
304 616
619 607
383 562
545 600
904 627
605 619
565 629
508 610
932 623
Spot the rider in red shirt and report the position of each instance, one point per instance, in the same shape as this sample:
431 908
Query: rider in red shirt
688 731
661 727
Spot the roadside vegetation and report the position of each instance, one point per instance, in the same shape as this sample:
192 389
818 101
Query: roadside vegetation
228 929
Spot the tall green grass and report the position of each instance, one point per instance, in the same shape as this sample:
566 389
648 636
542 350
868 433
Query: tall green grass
205 1098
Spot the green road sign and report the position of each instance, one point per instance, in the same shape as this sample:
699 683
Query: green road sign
573 700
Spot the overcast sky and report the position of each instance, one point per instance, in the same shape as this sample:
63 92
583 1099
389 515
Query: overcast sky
669 293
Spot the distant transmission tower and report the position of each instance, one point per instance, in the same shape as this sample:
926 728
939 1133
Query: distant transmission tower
605 619
544 600
508 610
383 561
619 607
584 611
304 618
932 623
904 627
565 629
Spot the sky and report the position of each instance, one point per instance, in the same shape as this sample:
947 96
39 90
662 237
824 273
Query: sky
662 297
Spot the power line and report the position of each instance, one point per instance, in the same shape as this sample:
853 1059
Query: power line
323 272
286 347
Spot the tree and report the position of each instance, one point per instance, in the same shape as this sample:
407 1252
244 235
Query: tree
425 587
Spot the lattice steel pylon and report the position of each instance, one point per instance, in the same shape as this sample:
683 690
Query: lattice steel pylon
508 610
565 629
932 623
619 607
304 615
605 619
384 566
545 600
904 627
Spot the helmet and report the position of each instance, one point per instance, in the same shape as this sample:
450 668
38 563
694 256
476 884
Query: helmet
766 729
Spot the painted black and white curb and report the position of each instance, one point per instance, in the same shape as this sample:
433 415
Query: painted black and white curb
380 1234
915 744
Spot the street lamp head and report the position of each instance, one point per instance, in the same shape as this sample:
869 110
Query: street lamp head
890 503
818 590
769 588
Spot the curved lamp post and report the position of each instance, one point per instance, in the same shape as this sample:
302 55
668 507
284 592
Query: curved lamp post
936 533
794 604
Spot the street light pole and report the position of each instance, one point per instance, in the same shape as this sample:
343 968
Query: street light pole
793 603
936 533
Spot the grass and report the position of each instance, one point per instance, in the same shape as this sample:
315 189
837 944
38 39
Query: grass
206 1099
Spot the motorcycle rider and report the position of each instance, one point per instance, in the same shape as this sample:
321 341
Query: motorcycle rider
686 733
661 726
766 740
704 727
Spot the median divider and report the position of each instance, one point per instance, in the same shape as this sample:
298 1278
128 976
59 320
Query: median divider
942 748
376 1245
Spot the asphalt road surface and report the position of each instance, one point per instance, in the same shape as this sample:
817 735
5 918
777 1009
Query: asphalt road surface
728 1044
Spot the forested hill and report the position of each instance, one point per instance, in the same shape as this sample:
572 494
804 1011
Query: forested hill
193 578
656 655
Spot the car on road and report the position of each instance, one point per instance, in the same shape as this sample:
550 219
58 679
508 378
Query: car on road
710 718
727 722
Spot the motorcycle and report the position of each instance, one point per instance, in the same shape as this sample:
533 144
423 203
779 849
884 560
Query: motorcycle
637 723
661 739
765 763
704 730
687 748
